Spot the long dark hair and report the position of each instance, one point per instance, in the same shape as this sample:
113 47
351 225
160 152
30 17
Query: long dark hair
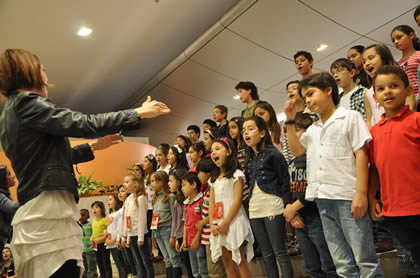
177 174
408 30
273 125
265 141
386 56
181 159
231 163
239 121
188 143
3 178
118 204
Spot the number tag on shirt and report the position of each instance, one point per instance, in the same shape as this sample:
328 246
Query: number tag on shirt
218 213
155 221
109 236
110 220
129 222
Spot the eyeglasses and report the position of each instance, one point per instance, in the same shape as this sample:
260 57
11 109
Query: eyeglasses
251 129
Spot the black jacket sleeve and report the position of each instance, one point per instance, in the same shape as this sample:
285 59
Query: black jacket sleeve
39 113
81 153
280 165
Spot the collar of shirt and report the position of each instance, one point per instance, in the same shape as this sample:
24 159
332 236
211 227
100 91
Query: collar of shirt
198 197
399 115
338 114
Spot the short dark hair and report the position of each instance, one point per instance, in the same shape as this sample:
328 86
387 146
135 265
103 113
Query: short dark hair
206 165
101 205
303 120
222 109
291 82
248 85
417 12
192 177
359 48
210 122
195 128
321 80
344 63
396 70
303 53
86 211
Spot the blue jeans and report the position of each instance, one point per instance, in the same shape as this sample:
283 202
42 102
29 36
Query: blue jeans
350 241
312 244
162 236
198 261
89 262
119 262
142 257
271 236
129 261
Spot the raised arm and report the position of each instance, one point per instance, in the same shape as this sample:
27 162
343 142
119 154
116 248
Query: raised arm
295 147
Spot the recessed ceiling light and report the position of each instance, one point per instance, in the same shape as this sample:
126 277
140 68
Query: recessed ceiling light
236 97
321 47
84 32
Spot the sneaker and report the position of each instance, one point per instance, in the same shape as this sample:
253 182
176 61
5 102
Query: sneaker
383 245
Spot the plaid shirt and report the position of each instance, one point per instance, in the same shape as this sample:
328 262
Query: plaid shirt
357 101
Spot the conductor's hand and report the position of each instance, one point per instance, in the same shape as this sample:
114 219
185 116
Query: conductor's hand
152 108
106 141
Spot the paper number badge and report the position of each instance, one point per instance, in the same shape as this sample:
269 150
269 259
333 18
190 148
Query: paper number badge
155 221
218 213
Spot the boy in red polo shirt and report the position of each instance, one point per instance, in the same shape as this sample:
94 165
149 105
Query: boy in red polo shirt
193 207
394 155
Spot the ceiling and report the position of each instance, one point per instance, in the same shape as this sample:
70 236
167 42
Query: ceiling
188 53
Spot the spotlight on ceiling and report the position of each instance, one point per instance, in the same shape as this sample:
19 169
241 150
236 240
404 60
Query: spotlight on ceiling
84 32
321 47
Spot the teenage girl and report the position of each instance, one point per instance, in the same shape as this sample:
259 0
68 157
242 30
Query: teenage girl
185 143
178 216
162 158
99 237
355 55
138 169
374 57
177 158
266 111
135 225
163 205
404 39
208 137
114 222
229 223
127 255
196 153
268 177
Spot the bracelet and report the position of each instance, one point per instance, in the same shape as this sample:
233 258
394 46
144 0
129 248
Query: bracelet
290 122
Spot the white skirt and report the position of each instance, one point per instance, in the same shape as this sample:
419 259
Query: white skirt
46 234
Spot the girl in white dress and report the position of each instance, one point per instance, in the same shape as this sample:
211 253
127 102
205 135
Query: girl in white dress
231 236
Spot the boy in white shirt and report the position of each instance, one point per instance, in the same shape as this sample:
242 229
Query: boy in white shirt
337 163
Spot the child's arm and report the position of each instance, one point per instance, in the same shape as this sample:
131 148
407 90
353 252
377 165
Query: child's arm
184 241
295 146
171 201
360 203
368 110
291 210
297 222
142 201
374 207
196 241
214 228
410 100
224 226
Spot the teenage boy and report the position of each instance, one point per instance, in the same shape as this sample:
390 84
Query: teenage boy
304 63
89 255
220 113
204 167
345 73
193 207
248 94
336 147
304 216
208 124
193 132
394 155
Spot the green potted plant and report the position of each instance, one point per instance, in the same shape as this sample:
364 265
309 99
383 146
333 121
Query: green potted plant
87 184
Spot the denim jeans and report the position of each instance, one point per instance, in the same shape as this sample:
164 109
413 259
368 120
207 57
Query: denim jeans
89 262
350 241
142 257
271 235
129 261
312 244
119 262
103 261
162 236
185 258
199 262
380 230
